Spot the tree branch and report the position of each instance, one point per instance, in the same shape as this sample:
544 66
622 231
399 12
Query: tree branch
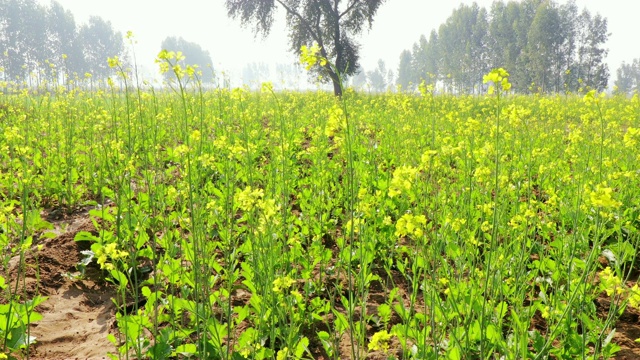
315 36
349 8
306 24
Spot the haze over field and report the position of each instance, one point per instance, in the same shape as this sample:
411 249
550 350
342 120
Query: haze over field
397 26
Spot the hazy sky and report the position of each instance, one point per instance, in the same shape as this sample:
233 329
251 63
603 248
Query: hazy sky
398 24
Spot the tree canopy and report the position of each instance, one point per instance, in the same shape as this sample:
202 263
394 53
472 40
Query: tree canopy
40 43
545 46
628 77
332 24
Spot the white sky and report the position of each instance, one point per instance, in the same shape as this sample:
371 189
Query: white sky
398 24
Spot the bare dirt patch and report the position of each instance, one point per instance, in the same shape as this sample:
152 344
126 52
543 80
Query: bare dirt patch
78 313
627 330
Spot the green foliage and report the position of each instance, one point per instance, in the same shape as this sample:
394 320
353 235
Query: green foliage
99 42
43 44
405 71
15 318
547 47
378 77
332 24
628 77
257 225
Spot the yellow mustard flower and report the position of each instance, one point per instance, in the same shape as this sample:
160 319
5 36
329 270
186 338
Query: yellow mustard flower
610 283
248 198
409 224
402 179
601 197
380 341
282 283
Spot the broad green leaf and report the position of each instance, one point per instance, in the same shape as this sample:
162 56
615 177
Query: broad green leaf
85 236
186 350
303 344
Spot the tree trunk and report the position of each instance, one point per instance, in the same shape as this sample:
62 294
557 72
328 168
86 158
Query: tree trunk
337 86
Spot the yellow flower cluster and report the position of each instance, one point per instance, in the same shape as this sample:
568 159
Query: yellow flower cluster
631 138
368 205
380 341
110 251
195 136
282 354
309 56
114 62
248 198
6 213
181 150
482 174
427 158
402 180
207 161
336 122
282 283
353 225
611 283
590 97
170 60
251 199
601 197
12 133
497 77
634 296
412 225
456 224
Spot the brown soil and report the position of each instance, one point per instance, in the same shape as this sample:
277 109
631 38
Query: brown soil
79 314
627 331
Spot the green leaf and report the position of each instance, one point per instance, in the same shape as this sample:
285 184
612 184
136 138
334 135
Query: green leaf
120 278
341 322
538 340
475 333
49 235
106 192
31 317
18 338
384 312
236 356
454 353
303 344
186 350
501 309
159 351
85 236
492 334
37 300
112 339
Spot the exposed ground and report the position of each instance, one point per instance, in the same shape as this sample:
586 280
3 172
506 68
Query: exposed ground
78 313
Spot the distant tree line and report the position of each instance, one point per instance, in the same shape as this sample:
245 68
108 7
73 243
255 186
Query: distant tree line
377 80
628 77
44 43
546 47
